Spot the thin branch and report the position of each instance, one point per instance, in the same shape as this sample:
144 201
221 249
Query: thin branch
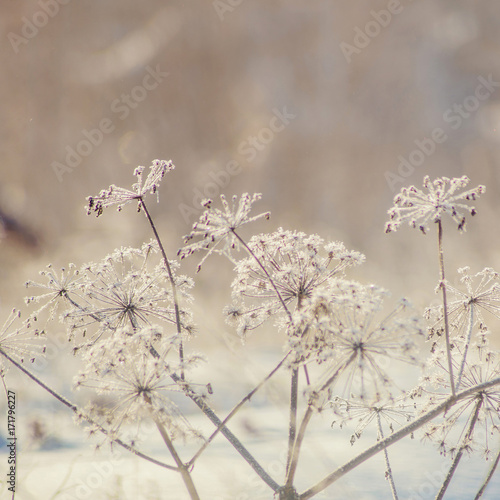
292 426
396 436
236 443
238 446
249 250
294 460
465 442
305 421
466 349
236 408
75 409
493 467
294 383
445 305
186 476
172 284
389 475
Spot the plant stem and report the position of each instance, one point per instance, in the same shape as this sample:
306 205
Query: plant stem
389 475
294 382
249 250
445 305
235 409
466 349
172 283
396 436
294 459
186 476
238 446
305 421
292 427
493 467
75 410
458 456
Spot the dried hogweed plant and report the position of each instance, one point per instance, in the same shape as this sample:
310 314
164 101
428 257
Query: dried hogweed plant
345 343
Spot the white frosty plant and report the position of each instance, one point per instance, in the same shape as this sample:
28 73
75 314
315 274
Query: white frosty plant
129 318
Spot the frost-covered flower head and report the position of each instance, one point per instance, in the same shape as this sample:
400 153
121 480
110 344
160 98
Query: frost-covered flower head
124 290
481 408
467 308
292 264
134 386
216 227
391 413
349 331
115 195
19 339
58 290
444 196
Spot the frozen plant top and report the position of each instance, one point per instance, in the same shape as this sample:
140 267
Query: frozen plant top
290 263
115 195
418 208
216 227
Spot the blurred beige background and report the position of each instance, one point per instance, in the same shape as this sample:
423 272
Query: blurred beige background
71 67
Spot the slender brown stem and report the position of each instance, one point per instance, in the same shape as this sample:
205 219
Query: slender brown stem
184 471
278 294
237 445
172 284
445 305
493 467
458 456
389 475
305 421
294 459
292 427
466 348
75 410
395 437
236 408
294 382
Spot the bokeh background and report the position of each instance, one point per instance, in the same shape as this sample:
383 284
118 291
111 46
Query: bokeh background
232 66
228 68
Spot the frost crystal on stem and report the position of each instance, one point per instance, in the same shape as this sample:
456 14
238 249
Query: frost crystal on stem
115 195
418 208
216 227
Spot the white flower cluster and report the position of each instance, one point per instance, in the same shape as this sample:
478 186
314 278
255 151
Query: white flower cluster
120 197
418 208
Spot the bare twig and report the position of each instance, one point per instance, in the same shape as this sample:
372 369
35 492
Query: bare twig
465 442
88 419
236 408
493 467
445 305
172 284
396 436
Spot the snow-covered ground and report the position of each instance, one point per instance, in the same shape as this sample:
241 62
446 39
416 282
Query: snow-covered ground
63 464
